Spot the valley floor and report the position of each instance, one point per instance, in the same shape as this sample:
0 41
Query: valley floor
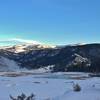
56 86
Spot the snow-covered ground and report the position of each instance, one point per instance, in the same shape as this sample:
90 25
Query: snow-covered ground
51 86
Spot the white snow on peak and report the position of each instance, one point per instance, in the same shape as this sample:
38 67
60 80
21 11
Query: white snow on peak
20 45
19 41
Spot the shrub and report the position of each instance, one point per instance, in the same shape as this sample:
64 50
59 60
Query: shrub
76 88
23 97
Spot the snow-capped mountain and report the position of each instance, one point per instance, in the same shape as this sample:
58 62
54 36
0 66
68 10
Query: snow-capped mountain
20 45
63 58
26 47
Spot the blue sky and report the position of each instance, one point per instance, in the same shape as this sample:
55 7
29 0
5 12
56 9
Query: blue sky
50 21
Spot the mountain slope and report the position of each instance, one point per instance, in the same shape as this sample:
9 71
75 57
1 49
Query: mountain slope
64 58
8 65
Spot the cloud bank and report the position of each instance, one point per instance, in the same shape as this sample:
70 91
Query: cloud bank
18 40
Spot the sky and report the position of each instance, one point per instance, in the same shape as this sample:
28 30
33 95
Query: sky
56 22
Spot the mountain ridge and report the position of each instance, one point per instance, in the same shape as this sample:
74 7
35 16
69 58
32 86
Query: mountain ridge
80 57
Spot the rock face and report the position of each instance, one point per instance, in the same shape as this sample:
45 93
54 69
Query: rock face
65 58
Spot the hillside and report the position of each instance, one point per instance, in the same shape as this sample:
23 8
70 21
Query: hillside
85 58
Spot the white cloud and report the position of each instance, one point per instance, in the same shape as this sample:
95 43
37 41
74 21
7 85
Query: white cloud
25 41
19 40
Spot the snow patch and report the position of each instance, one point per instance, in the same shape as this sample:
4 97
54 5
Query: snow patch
8 65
